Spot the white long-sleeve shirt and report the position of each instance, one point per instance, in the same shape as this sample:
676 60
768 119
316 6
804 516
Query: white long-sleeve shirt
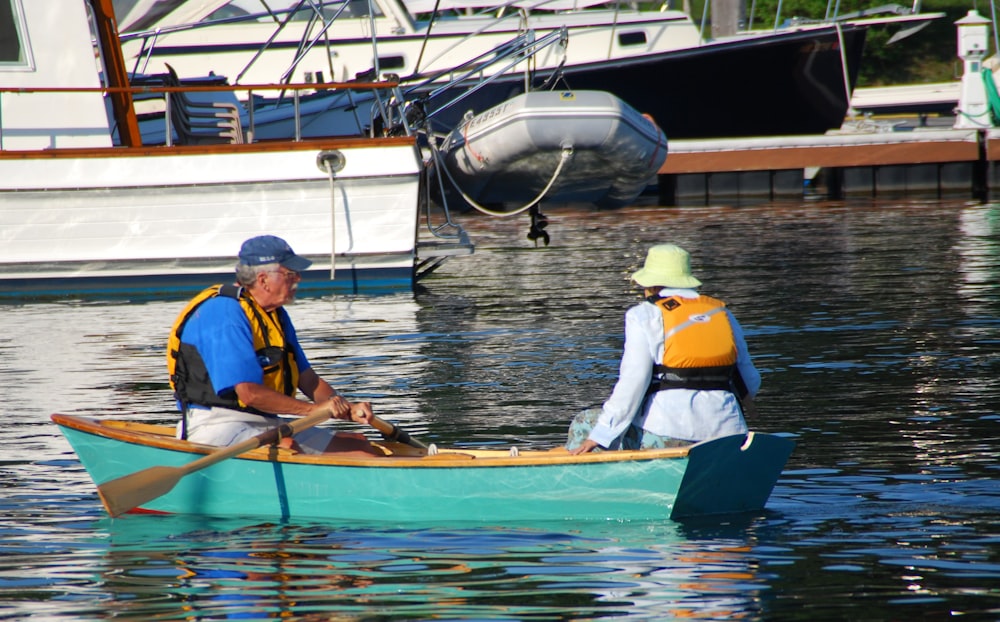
682 414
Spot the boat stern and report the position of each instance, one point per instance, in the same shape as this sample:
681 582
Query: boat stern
731 474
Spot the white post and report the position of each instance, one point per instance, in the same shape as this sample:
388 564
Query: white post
973 105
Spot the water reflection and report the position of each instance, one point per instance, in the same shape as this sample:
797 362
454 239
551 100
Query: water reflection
162 566
876 329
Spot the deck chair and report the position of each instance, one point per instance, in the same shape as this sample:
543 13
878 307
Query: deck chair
203 120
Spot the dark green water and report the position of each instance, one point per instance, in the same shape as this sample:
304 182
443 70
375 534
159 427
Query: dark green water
877 330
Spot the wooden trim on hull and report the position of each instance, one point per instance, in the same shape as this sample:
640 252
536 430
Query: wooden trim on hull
161 437
218 149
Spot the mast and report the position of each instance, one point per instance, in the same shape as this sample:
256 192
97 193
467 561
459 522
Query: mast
117 74
727 17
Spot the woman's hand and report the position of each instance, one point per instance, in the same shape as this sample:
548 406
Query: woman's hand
585 446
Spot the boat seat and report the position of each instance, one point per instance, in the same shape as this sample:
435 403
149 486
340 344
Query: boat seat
195 130
196 117
195 127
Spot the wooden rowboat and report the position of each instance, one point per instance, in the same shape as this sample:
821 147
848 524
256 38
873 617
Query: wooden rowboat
725 475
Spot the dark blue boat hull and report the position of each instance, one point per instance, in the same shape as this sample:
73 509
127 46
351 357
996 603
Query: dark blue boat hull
775 85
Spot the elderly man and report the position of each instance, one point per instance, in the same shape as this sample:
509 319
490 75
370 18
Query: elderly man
684 369
235 362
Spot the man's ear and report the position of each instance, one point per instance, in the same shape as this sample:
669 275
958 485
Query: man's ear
260 278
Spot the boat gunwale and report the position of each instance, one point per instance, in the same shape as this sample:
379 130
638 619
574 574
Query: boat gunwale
161 437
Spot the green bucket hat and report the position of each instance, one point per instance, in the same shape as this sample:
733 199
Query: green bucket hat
666 265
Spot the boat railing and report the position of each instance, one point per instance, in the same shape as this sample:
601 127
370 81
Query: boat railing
507 55
305 44
282 17
313 36
418 98
172 96
831 16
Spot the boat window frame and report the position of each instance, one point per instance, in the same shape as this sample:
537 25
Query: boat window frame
633 37
393 62
15 30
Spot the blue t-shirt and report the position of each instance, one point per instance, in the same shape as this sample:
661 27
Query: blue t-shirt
220 330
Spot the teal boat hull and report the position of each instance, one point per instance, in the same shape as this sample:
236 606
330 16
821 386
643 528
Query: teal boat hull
729 475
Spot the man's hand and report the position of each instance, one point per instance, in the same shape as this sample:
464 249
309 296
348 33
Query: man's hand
339 408
361 412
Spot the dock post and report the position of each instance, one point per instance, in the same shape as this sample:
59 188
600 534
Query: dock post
973 106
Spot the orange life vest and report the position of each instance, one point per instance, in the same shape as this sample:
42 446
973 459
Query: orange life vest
187 372
699 350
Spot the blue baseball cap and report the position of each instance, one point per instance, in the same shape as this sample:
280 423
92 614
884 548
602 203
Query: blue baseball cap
265 249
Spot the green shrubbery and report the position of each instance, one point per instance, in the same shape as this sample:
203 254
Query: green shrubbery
930 55
927 56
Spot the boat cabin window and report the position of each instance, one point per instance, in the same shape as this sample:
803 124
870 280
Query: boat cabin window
146 14
632 38
13 48
359 8
391 62
355 8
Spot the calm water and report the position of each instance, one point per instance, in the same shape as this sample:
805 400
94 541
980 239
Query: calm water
876 327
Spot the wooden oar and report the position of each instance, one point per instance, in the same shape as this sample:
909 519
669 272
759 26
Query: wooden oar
130 491
392 432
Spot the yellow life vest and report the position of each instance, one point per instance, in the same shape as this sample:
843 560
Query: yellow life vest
187 372
699 350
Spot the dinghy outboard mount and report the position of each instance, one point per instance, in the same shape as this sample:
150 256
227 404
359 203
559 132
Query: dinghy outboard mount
538 223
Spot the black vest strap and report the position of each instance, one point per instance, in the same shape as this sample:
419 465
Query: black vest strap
230 291
696 378
227 290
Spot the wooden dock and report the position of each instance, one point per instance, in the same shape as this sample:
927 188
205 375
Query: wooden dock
922 161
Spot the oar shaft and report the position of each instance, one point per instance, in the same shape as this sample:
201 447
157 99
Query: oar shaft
289 428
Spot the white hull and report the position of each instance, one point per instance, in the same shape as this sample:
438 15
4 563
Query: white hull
78 214
576 146
165 218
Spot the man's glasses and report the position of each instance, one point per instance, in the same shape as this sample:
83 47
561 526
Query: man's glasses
288 275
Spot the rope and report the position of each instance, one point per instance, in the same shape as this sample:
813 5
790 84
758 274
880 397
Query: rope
333 218
991 116
843 65
567 152
992 96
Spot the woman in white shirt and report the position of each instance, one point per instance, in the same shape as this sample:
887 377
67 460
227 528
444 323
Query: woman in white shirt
684 369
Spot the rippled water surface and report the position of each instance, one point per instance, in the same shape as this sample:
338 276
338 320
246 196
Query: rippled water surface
876 327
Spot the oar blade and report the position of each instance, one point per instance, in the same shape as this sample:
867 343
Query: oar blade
130 491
